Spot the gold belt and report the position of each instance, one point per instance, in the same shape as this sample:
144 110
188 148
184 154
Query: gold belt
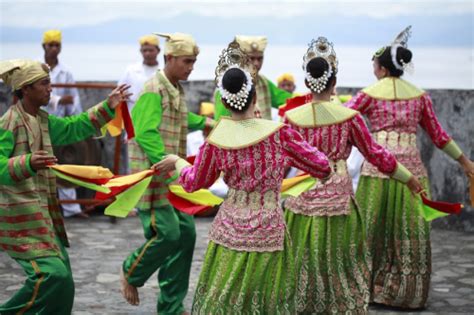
393 139
254 200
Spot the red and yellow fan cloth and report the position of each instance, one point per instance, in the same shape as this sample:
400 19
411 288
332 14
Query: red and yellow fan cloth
121 121
128 189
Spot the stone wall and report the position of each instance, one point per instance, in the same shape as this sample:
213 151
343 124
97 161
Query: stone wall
454 108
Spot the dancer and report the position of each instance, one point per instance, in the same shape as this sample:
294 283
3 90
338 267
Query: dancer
398 236
248 268
161 120
31 224
325 224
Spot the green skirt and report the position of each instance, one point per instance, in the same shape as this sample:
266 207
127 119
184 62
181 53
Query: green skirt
398 239
331 263
236 282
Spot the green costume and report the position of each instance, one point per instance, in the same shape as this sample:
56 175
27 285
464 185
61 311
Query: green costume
31 225
268 96
398 236
161 121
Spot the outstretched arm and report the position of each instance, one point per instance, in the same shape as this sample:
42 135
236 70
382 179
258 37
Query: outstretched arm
79 127
202 174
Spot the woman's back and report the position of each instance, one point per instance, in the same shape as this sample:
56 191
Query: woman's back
253 155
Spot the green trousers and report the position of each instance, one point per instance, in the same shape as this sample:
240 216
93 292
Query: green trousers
170 238
48 289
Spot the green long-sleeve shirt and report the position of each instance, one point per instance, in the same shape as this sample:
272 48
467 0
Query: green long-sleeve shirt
28 198
146 116
62 131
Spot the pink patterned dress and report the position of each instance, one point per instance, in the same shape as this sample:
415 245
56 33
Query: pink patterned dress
398 237
326 227
248 267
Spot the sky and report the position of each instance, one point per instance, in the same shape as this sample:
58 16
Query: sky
286 22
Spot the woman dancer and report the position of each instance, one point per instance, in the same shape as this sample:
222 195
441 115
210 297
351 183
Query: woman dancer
248 267
325 224
398 237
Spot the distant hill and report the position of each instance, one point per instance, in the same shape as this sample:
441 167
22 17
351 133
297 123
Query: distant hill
427 30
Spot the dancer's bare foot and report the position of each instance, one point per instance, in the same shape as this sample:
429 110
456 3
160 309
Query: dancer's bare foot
129 292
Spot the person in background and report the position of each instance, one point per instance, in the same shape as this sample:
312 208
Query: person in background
64 102
138 73
286 82
268 94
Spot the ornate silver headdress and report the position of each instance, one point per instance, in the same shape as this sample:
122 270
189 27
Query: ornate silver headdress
401 41
320 47
234 58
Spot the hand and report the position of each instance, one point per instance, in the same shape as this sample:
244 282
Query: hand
467 165
166 165
66 100
210 123
414 185
118 95
41 160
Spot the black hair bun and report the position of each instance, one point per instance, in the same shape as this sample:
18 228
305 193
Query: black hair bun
404 54
317 66
233 80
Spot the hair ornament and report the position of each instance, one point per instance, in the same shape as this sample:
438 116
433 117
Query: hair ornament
401 41
234 58
320 47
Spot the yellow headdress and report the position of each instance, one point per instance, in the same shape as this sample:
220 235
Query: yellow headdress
150 40
251 44
52 36
286 77
179 44
206 109
20 72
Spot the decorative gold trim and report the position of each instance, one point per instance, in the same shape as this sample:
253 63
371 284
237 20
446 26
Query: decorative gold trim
320 114
35 290
452 150
180 164
392 88
238 134
401 173
147 244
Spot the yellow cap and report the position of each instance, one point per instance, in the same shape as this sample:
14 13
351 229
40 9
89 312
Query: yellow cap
20 72
251 44
52 36
179 44
207 109
149 40
286 77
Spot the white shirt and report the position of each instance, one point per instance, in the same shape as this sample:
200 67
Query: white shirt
136 75
60 74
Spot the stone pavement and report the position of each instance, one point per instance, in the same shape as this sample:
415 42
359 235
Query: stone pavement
98 248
